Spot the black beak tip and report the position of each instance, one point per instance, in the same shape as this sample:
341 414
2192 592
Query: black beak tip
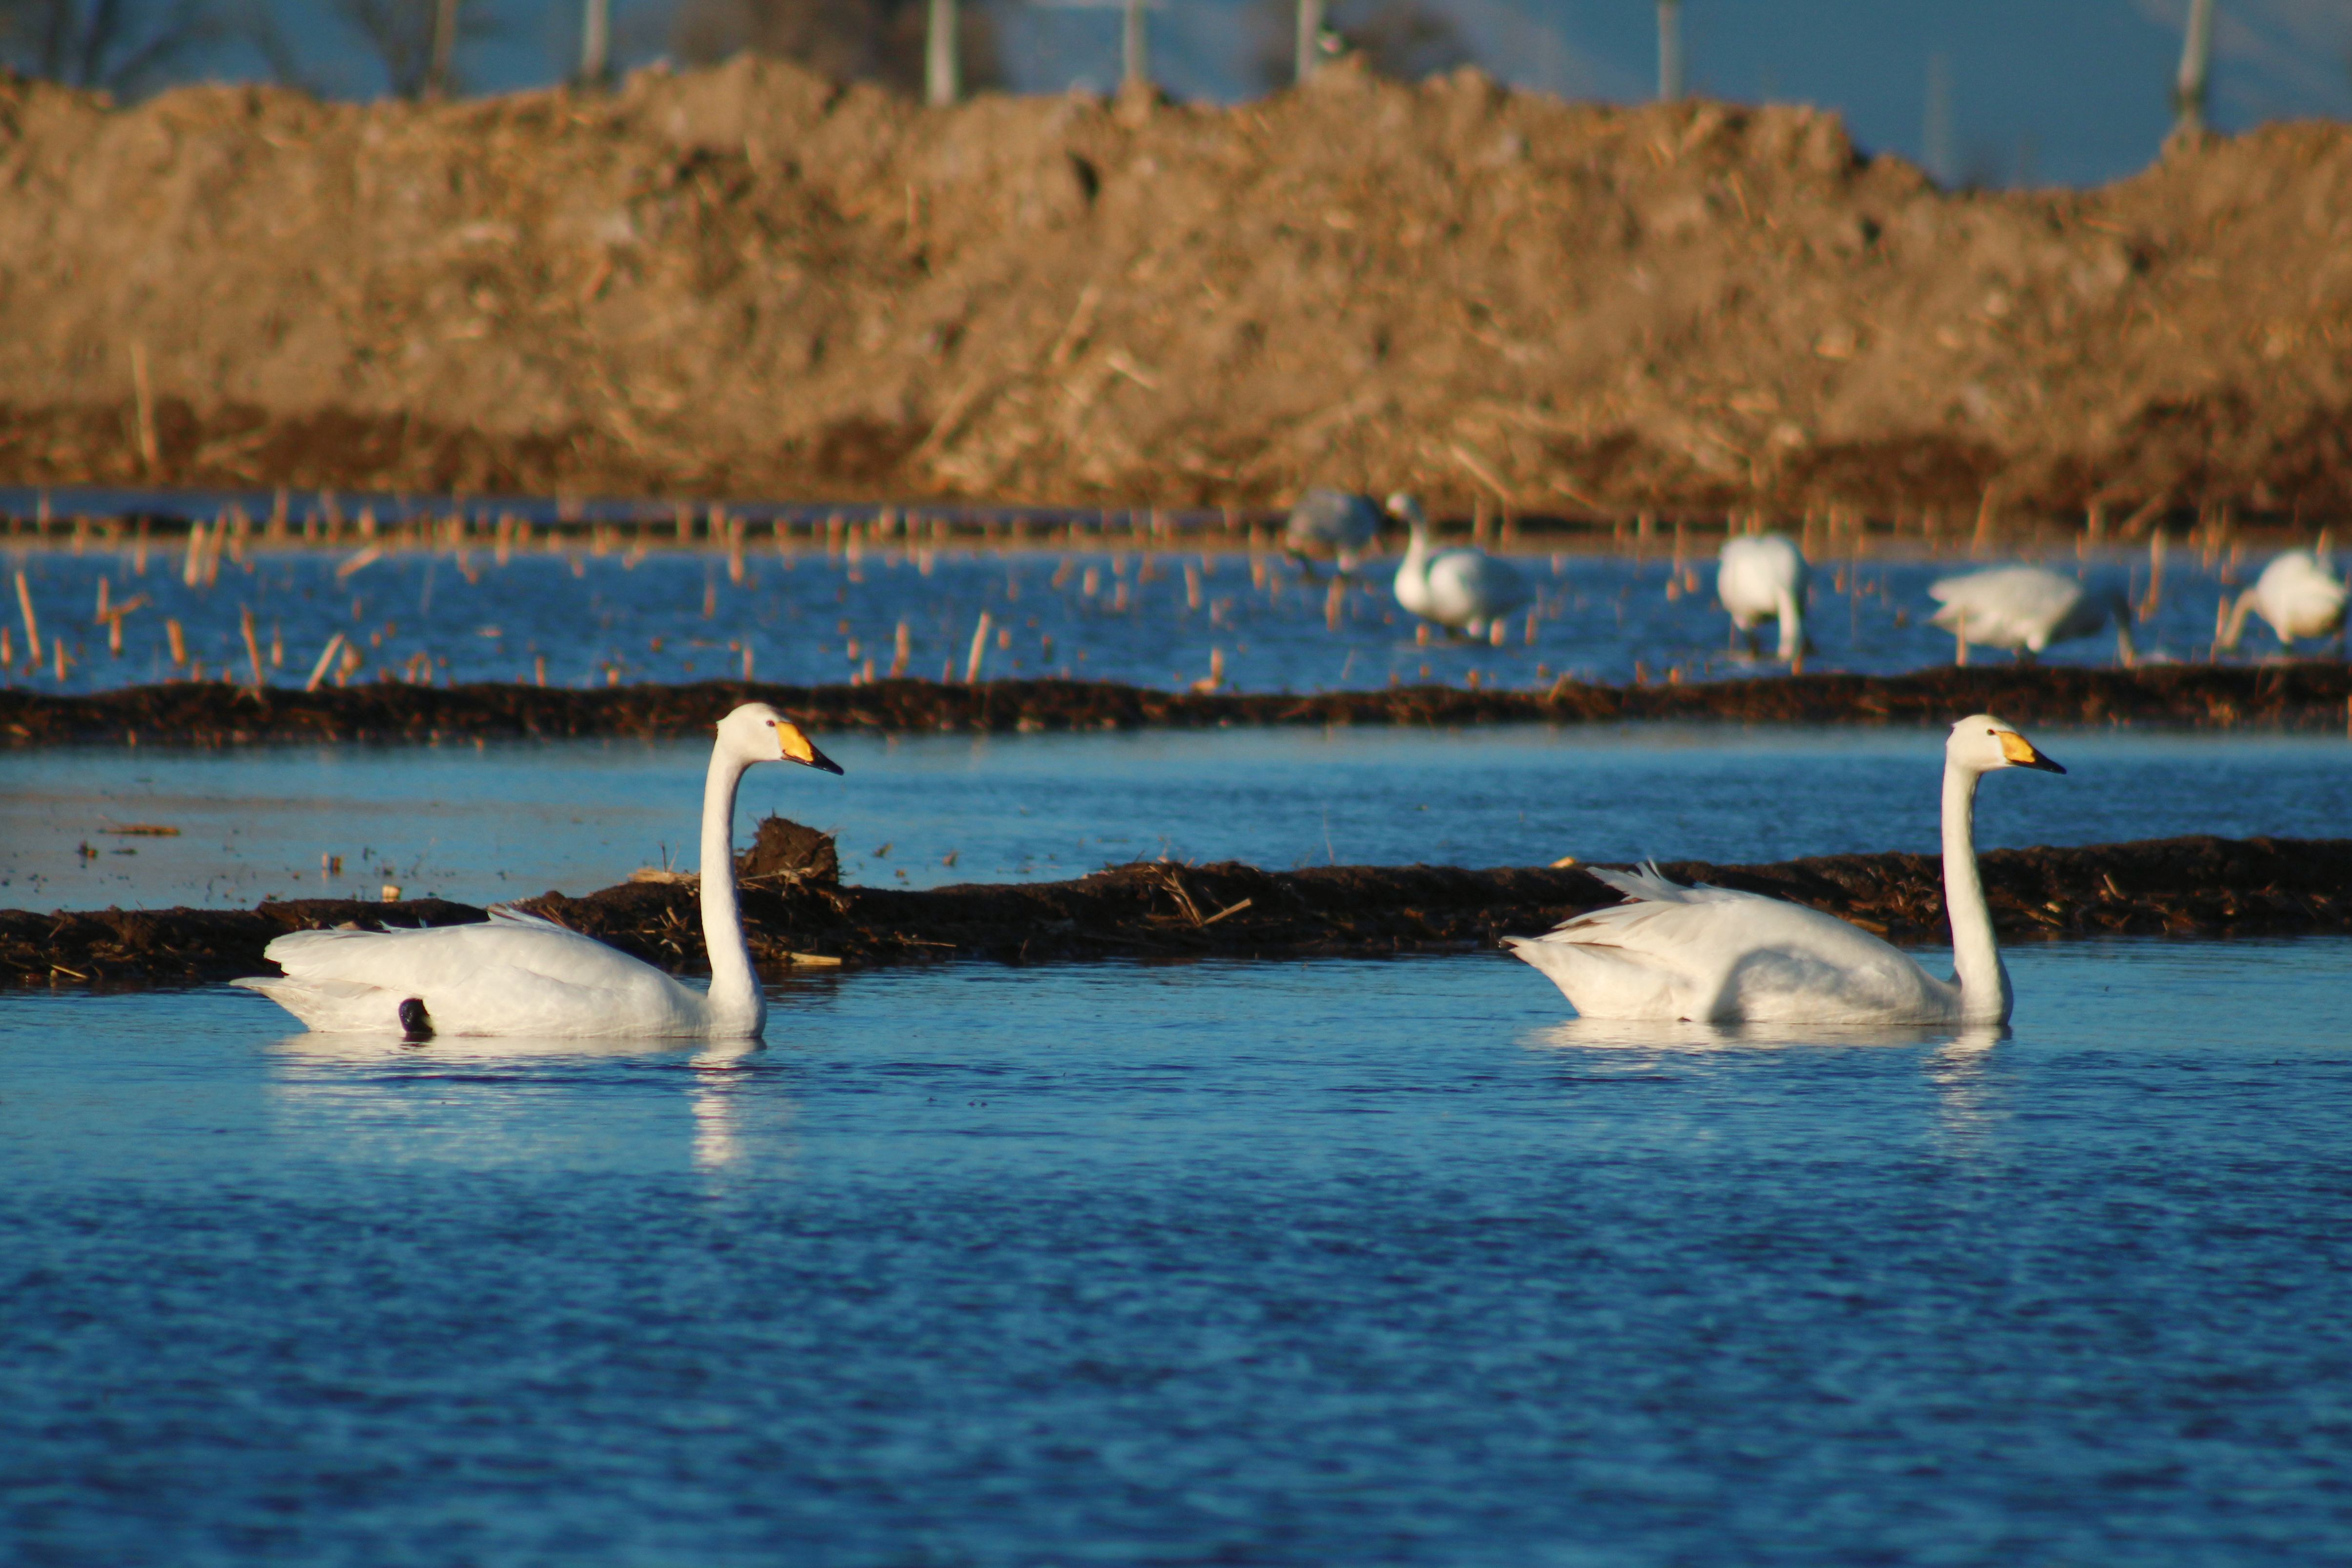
2049 766
824 764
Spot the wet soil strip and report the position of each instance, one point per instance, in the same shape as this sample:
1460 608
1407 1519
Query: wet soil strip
2198 887
2305 696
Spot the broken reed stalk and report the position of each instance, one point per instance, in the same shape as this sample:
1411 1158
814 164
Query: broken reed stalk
32 621
327 658
252 643
979 650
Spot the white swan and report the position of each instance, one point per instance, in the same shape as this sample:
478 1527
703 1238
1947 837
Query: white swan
1464 588
1339 521
1760 577
520 975
1712 956
2298 594
2027 608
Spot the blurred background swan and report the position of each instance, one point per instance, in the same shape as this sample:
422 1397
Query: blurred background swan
517 974
1713 955
1462 588
2025 609
1760 577
2298 595
1344 524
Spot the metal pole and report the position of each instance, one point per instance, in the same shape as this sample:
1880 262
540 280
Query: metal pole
1670 51
445 49
943 56
596 41
2189 88
1938 141
1310 37
1135 47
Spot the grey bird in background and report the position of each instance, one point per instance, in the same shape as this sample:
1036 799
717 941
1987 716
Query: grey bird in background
1334 521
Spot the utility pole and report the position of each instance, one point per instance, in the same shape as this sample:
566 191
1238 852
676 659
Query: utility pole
1670 51
1135 48
943 56
1938 140
596 42
1310 37
445 49
2189 88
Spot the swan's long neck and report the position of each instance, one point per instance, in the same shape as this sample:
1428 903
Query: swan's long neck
1976 957
2237 627
1792 623
738 1008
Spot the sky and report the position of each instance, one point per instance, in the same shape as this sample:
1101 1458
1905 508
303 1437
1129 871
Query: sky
2043 92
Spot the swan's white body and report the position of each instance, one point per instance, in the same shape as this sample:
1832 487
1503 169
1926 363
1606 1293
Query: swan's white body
1464 588
1335 520
1760 577
2297 595
1712 956
2025 609
517 974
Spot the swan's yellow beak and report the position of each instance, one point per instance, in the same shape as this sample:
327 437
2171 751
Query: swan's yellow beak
2021 753
797 747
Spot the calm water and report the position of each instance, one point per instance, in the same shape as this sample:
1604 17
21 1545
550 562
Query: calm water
1354 1263
512 819
1153 621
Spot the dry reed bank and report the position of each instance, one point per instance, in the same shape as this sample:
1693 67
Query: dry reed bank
1161 911
751 280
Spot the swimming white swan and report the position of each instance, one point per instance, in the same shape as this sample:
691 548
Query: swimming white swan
520 975
1464 588
1711 956
1343 523
1763 576
2027 608
2297 595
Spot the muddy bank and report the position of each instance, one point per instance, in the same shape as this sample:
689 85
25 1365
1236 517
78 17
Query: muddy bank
2169 887
753 281
2307 696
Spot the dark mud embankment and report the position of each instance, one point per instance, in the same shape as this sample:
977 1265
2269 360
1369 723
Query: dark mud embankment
2312 696
1161 911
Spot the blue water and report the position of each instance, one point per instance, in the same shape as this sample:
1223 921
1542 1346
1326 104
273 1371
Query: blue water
510 819
810 617
1348 1263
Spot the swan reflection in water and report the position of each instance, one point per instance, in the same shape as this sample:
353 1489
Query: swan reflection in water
366 1087
1958 1064
1683 1035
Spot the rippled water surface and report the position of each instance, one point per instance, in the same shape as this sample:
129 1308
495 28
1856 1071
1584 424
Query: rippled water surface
1354 1263
508 820
1157 620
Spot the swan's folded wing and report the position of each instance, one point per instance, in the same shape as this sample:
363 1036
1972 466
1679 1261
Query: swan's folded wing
1477 583
513 973
447 954
2008 604
1714 953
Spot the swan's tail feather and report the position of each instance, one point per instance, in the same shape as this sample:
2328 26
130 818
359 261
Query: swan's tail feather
328 1007
1646 884
507 913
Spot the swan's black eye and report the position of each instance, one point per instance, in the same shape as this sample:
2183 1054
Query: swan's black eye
1993 732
